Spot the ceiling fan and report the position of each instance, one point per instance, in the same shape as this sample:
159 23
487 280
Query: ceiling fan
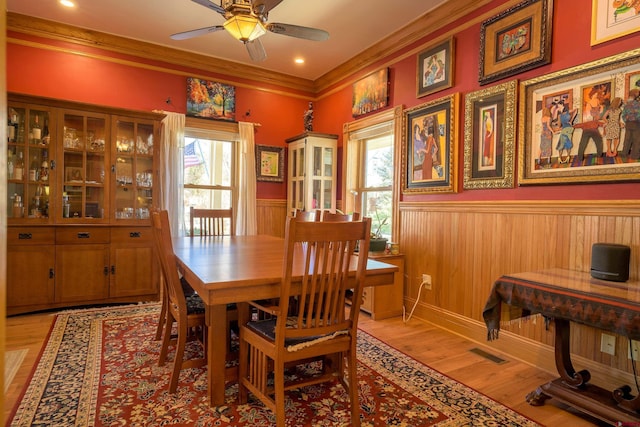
247 21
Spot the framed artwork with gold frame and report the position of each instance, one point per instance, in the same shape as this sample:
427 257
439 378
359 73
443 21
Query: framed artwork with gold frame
516 40
612 19
577 148
429 154
489 137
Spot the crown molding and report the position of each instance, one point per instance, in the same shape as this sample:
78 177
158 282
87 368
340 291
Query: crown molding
56 31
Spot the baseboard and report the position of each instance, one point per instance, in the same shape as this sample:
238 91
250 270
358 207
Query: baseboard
516 347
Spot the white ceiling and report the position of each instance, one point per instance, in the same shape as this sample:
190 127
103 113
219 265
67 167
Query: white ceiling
353 25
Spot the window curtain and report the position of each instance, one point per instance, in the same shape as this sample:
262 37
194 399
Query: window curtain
245 221
171 169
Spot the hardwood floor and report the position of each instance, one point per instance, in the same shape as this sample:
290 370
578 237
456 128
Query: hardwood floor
507 382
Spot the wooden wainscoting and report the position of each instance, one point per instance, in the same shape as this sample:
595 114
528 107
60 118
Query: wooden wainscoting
466 246
271 216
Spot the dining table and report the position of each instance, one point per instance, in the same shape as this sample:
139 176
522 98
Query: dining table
238 269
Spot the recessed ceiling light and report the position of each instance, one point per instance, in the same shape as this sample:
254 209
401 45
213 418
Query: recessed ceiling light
67 3
299 60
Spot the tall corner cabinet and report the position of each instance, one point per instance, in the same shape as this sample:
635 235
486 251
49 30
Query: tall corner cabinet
79 194
312 171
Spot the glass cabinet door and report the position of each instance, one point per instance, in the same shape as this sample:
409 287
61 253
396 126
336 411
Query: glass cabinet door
322 177
83 168
133 168
29 171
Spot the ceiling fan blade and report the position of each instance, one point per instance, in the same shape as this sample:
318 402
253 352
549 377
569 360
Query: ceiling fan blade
298 31
256 50
261 7
210 5
195 33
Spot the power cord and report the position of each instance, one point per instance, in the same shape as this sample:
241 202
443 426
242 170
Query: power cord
414 304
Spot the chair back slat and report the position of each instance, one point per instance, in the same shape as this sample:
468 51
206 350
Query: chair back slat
211 222
327 250
164 248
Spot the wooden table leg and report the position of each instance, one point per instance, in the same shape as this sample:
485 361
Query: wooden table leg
216 317
573 388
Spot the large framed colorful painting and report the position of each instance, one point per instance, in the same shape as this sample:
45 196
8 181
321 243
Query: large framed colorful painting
370 93
211 100
429 154
516 40
570 123
611 19
489 137
435 68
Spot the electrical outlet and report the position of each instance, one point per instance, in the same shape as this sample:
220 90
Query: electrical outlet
426 280
634 350
608 344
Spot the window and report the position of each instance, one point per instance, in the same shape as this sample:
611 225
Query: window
208 173
370 170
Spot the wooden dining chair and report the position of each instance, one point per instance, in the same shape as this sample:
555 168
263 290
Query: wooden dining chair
338 216
211 222
306 215
322 326
186 312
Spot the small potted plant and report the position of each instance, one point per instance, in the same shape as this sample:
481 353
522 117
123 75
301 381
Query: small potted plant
377 243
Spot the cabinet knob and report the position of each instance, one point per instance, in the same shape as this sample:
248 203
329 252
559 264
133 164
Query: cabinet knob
134 234
113 269
52 165
24 236
52 273
106 270
84 235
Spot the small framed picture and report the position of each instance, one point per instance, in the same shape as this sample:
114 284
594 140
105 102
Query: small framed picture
489 137
516 40
435 68
269 163
73 174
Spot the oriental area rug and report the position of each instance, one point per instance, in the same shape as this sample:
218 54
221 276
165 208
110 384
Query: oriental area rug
99 367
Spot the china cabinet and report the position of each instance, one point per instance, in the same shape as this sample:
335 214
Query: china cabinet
80 189
312 171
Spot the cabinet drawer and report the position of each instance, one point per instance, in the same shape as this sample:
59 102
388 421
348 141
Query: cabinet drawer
131 235
30 235
82 235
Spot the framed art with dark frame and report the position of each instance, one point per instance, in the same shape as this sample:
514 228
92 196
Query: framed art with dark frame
429 155
269 163
211 100
613 19
435 68
516 40
569 124
489 137
370 93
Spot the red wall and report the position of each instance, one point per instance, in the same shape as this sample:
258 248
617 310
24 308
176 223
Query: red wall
80 73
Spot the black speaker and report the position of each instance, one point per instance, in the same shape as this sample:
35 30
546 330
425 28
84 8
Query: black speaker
610 262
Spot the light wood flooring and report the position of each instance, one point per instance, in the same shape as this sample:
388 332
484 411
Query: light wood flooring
507 383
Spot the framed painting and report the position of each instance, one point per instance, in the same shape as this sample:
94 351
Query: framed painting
370 93
489 137
435 68
631 81
570 124
516 40
611 19
211 100
429 158
73 174
269 163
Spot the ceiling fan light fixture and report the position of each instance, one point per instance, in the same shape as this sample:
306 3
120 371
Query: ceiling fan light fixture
244 27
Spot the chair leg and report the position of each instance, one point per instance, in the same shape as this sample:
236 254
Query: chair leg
353 388
163 317
164 348
177 359
279 394
243 368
